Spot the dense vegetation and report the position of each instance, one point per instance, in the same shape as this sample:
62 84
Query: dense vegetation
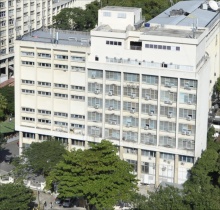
97 174
84 20
8 93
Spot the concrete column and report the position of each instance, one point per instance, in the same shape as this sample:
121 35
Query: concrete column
139 164
176 169
121 150
20 142
37 137
6 68
86 144
69 144
157 164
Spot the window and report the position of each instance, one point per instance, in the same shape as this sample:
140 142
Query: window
78 98
113 90
29 82
77 116
64 86
131 77
94 116
130 136
168 97
111 75
23 53
44 121
133 163
148 153
60 114
95 74
128 106
187 114
112 134
61 57
2 4
95 102
29 135
2 14
61 123
48 65
112 104
121 15
166 156
78 88
26 109
150 94
59 66
167 141
27 91
131 92
44 55
78 68
168 126
107 14
149 109
130 150
149 139
162 47
78 142
187 98
186 159
148 124
113 43
188 84
44 93
29 63
30 119
94 131
44 84
44 112
168 111
169 82
150 80
78 126
60 95
130 121
78 59
186 144
186 129
95 88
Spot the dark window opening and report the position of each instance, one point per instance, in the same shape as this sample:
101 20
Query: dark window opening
136 45
96 58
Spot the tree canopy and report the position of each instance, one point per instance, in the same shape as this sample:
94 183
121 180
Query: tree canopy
39 158
3 106
15 197
8 93
97 174
84 20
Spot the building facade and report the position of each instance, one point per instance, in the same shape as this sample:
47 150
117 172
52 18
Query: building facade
144 86
18 17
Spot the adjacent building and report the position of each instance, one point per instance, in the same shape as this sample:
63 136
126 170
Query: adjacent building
145 87
19 17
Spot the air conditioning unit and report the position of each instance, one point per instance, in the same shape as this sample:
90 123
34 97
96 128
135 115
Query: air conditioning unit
189 102
93 76
128 125
149 158
189 118
114 123
168 162
168 85
164 160
188 133
110 93
186 86
183 132
164 169
182 163
132 111
111 108
147 97
133 95
146 127
168 102
170 115
96 106
97 91
151 113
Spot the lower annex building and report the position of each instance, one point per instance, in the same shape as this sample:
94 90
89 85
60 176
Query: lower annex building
144 86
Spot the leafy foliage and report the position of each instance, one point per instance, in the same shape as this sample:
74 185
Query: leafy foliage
97 174
39 158
3 106
8 93
15 197
78 19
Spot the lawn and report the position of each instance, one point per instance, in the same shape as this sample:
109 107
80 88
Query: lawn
7 127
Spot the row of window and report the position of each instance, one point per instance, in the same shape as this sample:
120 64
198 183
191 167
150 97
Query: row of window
162 47
113 43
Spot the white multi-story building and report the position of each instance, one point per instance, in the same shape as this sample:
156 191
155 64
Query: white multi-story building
144 86
18 17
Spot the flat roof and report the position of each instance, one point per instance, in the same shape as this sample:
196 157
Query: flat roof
58 3
187 13
116 8
75 38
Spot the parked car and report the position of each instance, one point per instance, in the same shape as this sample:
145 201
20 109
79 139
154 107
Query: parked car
67 202
59 201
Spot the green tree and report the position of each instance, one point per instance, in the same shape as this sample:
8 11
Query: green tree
8 93
39 158
166 198
217 87
3 105
97 174
138 201
15 197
